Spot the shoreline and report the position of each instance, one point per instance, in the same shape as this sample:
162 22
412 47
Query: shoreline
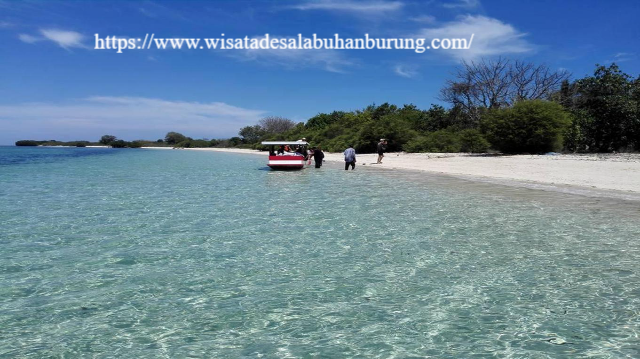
614 176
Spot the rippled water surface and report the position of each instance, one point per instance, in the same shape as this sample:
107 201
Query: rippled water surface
160 253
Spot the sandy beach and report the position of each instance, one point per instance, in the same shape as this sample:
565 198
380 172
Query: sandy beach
608 172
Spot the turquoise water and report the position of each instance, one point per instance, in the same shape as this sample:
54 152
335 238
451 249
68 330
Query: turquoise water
160 253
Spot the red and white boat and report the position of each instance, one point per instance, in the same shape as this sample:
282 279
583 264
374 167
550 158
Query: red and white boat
286 155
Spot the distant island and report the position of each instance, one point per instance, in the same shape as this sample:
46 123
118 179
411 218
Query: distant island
56 143
172 139
82 143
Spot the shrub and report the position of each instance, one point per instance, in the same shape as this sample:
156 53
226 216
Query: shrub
340 143
473 141
119 144
438 141
417 144
528 127
234 141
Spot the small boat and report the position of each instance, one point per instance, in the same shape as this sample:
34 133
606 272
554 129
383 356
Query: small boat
288 156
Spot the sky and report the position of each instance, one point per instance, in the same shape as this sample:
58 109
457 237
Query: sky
55 85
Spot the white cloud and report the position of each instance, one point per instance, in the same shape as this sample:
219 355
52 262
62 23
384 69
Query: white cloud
621 57
363 7
491 37
405 71
462 4
64 39
5 24
329 60
94 116
28 38
425 19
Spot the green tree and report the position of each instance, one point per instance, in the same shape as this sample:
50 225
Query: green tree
252 134
610 99
173 138
438 141
234 141
322 120
437 118
528 127
107 139
566 95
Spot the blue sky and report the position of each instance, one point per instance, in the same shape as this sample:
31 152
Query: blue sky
54 85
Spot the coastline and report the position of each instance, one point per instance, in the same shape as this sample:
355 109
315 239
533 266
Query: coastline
612 175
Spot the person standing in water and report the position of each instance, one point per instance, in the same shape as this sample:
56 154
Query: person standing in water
318 156
382 146
349 158
310 154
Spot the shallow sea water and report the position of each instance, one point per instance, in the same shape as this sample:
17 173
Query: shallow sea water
160 253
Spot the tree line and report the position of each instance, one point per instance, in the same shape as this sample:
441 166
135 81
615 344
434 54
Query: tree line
171 139
502 105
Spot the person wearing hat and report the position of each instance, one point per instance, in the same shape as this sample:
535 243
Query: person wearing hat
381 148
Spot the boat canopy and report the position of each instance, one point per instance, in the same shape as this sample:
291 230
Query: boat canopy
282 143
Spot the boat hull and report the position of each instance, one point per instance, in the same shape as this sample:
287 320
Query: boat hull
286 162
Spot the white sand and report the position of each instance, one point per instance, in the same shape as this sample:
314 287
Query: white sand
619 172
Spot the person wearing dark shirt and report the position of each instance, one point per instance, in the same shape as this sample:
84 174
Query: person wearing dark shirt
302 152
318 156
382 146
